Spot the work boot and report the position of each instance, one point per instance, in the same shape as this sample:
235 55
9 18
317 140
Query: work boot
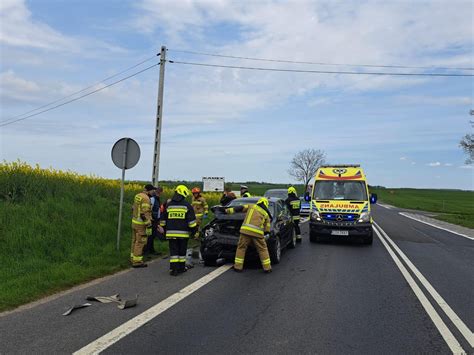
174 272
138 266
267 271
299 239
236 270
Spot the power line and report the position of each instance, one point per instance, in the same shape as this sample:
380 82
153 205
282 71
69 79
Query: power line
318 63
321 71
80 97
82 90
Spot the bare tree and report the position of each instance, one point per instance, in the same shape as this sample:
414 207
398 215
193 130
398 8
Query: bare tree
467 144
304 164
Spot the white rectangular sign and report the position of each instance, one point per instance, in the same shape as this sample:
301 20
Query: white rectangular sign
213 184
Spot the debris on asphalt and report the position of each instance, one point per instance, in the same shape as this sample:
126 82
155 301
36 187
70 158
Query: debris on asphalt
121 304
128 303
76 306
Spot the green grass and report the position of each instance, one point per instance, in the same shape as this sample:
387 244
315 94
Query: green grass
453 206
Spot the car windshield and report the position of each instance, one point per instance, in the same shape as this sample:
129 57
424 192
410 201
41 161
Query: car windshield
340 190
247 201
280 193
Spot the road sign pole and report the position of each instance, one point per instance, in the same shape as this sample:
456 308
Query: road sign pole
124 163
159 118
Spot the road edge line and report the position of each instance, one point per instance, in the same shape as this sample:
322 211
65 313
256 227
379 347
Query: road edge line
453 317
443 329
435 226
107 340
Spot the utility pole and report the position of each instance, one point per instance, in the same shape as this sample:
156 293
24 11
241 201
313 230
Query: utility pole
159 118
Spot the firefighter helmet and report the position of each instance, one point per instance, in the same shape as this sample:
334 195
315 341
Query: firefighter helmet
196 190
291 190
263 201
182 190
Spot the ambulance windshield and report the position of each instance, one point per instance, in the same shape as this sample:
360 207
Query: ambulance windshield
340 190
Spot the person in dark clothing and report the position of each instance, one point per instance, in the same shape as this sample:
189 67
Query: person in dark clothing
157 231
179 222
227 196
294 205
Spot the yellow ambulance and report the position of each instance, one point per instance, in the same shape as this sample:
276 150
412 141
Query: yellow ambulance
340 204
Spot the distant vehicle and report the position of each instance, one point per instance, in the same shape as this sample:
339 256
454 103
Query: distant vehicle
305 208
277 193
221 235
341 204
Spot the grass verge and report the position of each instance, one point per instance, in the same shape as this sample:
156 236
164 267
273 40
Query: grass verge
453 206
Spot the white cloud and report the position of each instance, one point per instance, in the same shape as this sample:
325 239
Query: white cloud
448 164
467 166
434 164
15 88
403 158
413 163
19 29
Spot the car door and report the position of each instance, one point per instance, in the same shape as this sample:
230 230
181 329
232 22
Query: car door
288 222
283 221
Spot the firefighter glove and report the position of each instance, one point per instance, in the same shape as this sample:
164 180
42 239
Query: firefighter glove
149 231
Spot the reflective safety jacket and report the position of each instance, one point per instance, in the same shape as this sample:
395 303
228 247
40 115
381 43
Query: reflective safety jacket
141 210
200 206
294 204
178 218
246 194
256 222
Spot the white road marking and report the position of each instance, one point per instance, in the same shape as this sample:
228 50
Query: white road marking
448 337
388 207
460 325
133 324
304 220
434 225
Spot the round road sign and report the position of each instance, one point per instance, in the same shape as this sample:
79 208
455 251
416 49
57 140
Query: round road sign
125 153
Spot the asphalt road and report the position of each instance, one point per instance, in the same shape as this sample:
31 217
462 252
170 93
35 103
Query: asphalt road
323 298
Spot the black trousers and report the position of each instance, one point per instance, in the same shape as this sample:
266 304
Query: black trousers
297 227
178 247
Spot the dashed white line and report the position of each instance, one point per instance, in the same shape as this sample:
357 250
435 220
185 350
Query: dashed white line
133 324
388 207
434 225
447 335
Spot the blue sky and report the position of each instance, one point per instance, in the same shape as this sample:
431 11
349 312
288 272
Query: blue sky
244 125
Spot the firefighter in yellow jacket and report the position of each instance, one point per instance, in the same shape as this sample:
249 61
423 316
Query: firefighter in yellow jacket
141 225
201 208
256 224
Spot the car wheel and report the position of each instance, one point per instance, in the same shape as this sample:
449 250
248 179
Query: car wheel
292 243
209 260
275 251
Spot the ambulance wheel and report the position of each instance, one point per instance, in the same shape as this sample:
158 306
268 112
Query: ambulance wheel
275 251
313 237
368 239
293 241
